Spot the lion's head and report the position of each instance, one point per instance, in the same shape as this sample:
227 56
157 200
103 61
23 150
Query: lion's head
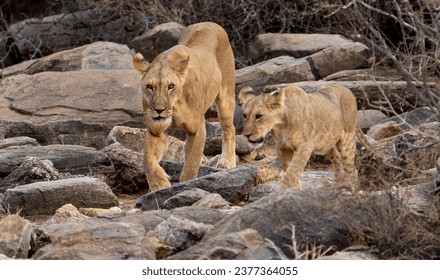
162 83
260 113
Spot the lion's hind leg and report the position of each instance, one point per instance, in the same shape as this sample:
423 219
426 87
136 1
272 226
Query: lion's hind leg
347 150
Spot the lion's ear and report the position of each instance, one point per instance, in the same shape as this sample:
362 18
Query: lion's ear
245 94
140 63
179 60
276 98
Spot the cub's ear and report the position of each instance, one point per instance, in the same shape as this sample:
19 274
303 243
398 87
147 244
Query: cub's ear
245 94
276 98
179 60
139 63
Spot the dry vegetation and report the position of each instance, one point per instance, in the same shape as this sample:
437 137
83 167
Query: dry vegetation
403 34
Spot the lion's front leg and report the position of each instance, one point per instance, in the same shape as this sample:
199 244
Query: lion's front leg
292 176
155 147
194 146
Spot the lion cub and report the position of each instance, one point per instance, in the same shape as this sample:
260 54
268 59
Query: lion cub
323 122
178 87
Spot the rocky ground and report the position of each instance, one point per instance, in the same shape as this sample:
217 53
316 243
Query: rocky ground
72 184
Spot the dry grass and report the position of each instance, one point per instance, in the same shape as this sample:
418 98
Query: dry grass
387 226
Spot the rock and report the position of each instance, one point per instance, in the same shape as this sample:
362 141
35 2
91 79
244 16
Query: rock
67 213
368 74
18 141
233 185
185 198
350 255
174 235
213 146
247 244
31 170
315 221
65 158
16 235
384 130
369 118
93 212
106 237
158 39
129 175
413 118
269 45
81 110
44 198
39 37
94 239
98 55
129 137
213 200
341 57
283 69
133 138
370 94
263 189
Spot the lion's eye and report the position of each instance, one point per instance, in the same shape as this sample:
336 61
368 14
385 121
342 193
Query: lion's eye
244 116
258 116
149 86
171 86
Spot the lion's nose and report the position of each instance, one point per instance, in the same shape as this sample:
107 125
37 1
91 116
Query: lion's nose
159 110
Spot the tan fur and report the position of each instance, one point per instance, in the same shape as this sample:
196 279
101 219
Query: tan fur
178 88
323 123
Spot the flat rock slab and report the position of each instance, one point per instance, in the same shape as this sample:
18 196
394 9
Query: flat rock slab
99 55
65 158
75 107
270 45
233 185
282 69
44 198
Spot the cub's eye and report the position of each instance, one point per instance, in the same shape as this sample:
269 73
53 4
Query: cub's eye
244 116
149 86
171 86
258 116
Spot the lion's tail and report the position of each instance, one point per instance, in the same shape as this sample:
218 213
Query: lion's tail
360 135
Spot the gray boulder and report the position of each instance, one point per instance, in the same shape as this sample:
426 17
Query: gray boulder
34 37
315 218
341 57
247 244
233 185
44 198
31 170
158 39
16 235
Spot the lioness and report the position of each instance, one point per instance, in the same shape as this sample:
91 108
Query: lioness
323 122
178 87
